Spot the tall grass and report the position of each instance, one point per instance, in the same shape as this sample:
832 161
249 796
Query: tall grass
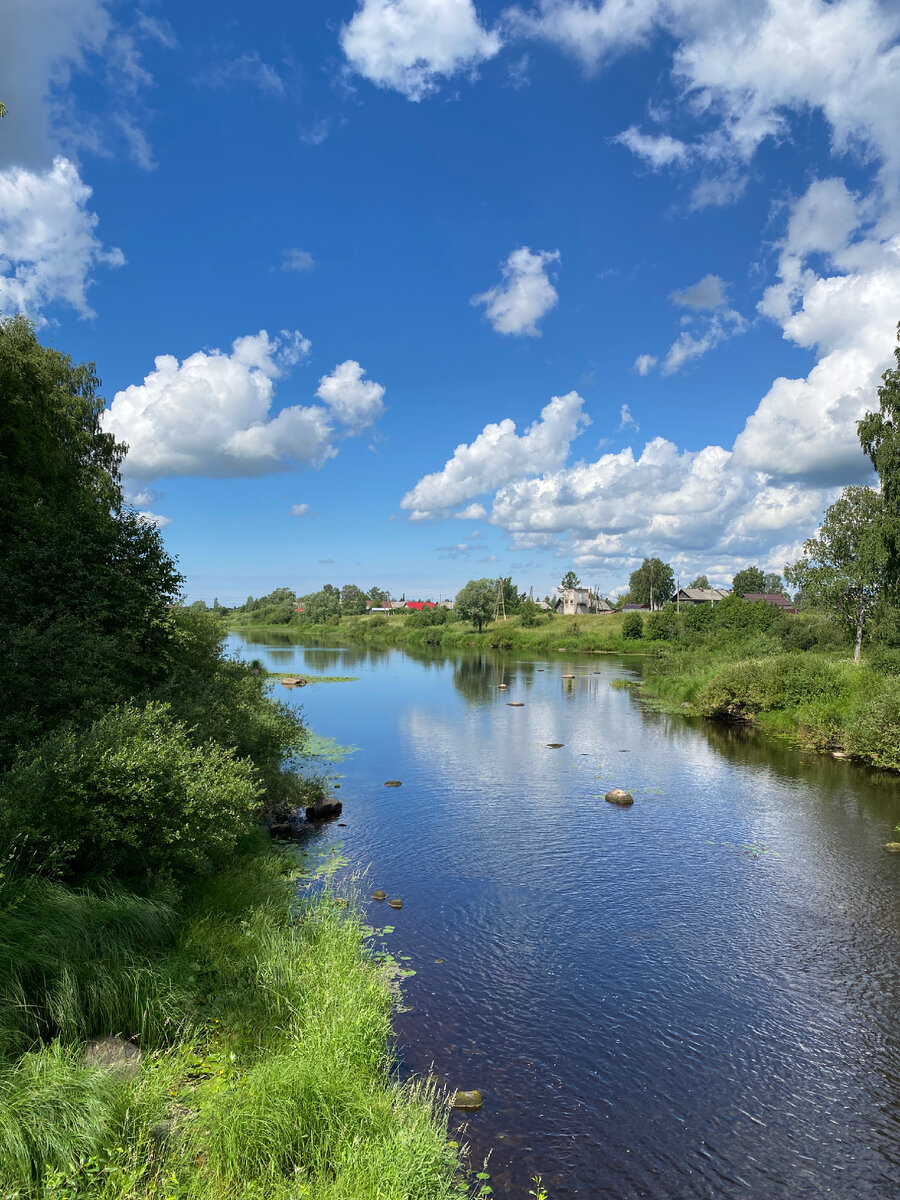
265 1034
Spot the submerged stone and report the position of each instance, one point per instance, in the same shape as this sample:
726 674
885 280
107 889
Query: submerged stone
619 796
294 681
395 903
379 895
515 704
892 847
393 783
468 1101
555 745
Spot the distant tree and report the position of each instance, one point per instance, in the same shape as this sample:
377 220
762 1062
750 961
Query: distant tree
774 584
512 597
377 596
570 580
845 568
750 579
652 583
879 435
529 613
319 607
475 602
700 582
353 600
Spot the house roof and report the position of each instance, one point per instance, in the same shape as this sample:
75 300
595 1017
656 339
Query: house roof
769 598
418 605
709 594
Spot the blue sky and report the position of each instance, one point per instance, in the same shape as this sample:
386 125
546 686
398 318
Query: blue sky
405 292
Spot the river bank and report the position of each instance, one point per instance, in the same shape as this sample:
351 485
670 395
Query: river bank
248 1031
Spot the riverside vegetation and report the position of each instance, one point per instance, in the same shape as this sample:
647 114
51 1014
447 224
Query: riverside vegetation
139 897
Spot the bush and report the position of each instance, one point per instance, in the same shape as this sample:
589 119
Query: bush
663 625
131 795
873 727
633 625
742 689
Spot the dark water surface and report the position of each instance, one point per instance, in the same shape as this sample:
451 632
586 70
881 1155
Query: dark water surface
698 996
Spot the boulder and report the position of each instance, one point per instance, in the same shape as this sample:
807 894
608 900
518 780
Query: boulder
294 681
113 1054
619 796
379 895
323 809
468 1101
395 903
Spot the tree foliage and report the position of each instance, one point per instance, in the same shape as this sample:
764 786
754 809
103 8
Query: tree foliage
475 602
879 435
700 582
652 583
844 569
750 579
570 580
353 600
85 583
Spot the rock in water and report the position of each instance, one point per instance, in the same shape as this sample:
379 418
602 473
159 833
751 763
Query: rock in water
892 847
515 704
379 895
555 745
113 1054
323 809
619 796
294 681
468 1101
393 783
395 903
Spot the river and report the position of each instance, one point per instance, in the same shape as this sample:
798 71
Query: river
695 997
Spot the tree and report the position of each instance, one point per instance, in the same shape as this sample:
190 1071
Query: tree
377 596
85 583
570 580
318 607
700 582
774 584
879 436
652 583
353 600
750 579
633 626
475 602
845 567
512 598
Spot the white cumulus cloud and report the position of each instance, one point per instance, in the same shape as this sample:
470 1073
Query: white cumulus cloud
296 259
299 510
48 242
212 414
354 401
525 295
644 363
659 150
497 455
409 45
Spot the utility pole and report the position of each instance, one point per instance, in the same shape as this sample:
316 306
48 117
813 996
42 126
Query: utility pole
678 596
500 602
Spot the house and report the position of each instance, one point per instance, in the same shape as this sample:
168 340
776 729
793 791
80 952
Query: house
418 605
773 598
699 596
635 608
572 602
445 604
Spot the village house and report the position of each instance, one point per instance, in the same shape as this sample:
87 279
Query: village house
576 602
773 598
699 596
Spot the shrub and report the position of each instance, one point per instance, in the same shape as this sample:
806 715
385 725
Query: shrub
633 625
873 727
663 625
742 689
131 795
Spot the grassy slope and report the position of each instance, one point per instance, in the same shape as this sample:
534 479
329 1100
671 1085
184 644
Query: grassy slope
265 1030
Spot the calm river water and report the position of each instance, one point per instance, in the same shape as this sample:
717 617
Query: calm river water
695 997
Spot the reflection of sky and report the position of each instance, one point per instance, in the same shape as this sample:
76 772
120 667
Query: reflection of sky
648 1007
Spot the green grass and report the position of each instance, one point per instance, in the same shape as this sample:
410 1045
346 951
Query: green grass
264 1025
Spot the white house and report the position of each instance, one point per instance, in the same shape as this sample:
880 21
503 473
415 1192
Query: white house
577 602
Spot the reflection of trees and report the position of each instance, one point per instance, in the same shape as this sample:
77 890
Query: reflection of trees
477 676
748 747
